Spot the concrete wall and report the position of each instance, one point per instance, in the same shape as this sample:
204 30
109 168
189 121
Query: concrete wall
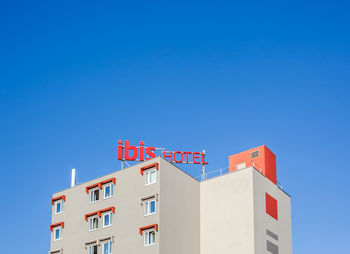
225 215
128 218
234 218
227 218
277 234
179 211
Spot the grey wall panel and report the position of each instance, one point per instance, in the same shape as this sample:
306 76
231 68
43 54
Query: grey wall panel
271 234
271 247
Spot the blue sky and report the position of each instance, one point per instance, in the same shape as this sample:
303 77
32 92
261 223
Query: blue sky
187 75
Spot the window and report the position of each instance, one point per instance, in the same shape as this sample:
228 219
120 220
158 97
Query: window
109 190
93 249
107 219
107 247
241 166
94 195
151 177
59 207
150 207
150 237
57 233
93 223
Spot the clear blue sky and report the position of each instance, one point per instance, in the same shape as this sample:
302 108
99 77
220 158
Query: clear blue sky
187 75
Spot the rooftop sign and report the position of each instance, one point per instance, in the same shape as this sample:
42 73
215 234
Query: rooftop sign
127 152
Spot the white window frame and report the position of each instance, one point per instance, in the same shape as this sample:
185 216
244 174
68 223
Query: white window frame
110 220
90 248
111 185
148 177
147 205
241 166
59 202
91 193
91 221
60 233
146 237
109 246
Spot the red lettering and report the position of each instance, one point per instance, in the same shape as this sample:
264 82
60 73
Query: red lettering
203 162
120 149
170 156
195 157
150 153
187 153
182 157
142 151
131 153
127 149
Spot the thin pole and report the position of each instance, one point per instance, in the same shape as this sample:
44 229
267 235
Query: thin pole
203 167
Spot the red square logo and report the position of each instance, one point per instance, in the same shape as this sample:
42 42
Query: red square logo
271 206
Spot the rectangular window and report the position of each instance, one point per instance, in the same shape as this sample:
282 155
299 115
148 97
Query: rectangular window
241 166
150 207
93 249
150 237
107 247
57 233
109 190
151 177
107 219
93 223
59 207
94 195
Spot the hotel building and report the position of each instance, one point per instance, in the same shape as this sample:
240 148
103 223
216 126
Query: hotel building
155 207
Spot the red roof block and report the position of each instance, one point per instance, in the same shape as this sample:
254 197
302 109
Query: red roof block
260 157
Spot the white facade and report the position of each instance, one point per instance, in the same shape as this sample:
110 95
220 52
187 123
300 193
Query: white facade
225 215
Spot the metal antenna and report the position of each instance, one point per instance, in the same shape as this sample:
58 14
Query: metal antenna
203 167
